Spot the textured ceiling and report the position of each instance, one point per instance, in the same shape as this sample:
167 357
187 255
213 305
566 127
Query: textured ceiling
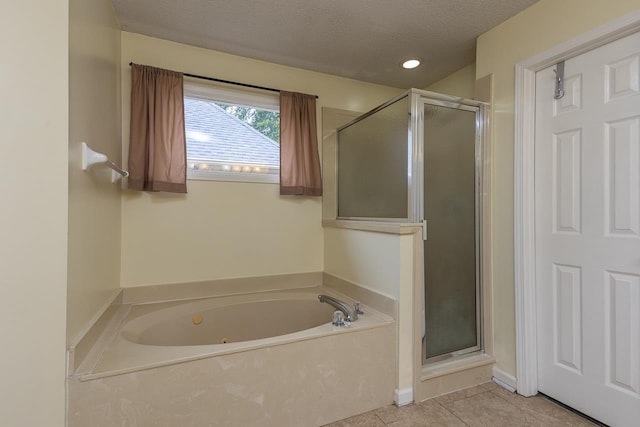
359 39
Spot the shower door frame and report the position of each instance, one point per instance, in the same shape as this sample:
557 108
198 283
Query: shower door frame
418 101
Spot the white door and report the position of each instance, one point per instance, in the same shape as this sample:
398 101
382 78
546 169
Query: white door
587 207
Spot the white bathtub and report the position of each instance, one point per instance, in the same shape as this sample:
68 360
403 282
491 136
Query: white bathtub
158 334
283 363
228 320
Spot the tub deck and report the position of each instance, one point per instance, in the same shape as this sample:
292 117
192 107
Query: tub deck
306 378
115 354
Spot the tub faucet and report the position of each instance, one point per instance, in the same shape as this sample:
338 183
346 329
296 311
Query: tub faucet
349 312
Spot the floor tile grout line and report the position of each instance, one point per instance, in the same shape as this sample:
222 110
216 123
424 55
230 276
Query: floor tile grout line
466 397
529 410
450 405
512 404
520 408
478 394
381 420
447 409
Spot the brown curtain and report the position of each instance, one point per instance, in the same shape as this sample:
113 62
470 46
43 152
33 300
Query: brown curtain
157 146
299 160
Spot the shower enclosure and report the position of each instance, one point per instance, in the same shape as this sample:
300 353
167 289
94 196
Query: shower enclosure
417 159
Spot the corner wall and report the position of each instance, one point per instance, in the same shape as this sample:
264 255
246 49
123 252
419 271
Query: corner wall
94 202
536 29
226 229
33 227
461 83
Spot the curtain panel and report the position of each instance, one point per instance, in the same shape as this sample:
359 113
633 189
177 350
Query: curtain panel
157 145
299 159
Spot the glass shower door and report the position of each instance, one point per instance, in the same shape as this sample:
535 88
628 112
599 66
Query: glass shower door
450 251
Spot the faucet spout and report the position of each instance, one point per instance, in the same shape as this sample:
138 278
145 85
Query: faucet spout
349 312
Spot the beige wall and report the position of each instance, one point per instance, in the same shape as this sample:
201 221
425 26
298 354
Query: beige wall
461 83
222 229
369 259
542 26
383 263
94 202
33 225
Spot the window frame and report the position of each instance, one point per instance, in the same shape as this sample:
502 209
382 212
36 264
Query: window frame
242 97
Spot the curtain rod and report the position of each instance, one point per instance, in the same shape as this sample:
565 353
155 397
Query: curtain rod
213 79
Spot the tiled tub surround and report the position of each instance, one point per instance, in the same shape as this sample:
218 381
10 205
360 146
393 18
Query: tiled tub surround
308 377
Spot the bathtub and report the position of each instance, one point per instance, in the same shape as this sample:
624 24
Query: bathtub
261 359
228 320
158 334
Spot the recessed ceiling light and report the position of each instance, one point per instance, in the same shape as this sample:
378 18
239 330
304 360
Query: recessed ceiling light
410 63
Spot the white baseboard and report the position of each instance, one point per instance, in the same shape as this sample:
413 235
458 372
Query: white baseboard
404 396
504 380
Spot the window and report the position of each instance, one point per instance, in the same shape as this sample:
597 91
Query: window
232 135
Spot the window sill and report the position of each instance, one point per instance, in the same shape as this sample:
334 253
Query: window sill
375 226
232 177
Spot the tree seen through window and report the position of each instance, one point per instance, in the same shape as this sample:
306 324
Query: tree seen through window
264 121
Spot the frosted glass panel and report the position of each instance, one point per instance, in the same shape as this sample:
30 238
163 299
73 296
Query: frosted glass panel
449 251
372 164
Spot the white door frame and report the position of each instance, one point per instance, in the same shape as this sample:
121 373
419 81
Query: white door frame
524 209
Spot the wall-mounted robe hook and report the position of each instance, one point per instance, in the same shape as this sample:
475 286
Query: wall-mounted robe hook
559 71
90 158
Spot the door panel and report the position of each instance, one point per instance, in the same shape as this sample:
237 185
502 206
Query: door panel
622 177
565 172
622 322
567 316
587 204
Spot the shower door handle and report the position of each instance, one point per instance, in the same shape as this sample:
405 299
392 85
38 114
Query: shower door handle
424 229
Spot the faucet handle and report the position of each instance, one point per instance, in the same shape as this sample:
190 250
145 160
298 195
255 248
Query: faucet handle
356 307
338 318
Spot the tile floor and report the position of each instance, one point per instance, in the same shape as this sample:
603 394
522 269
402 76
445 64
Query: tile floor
484 405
